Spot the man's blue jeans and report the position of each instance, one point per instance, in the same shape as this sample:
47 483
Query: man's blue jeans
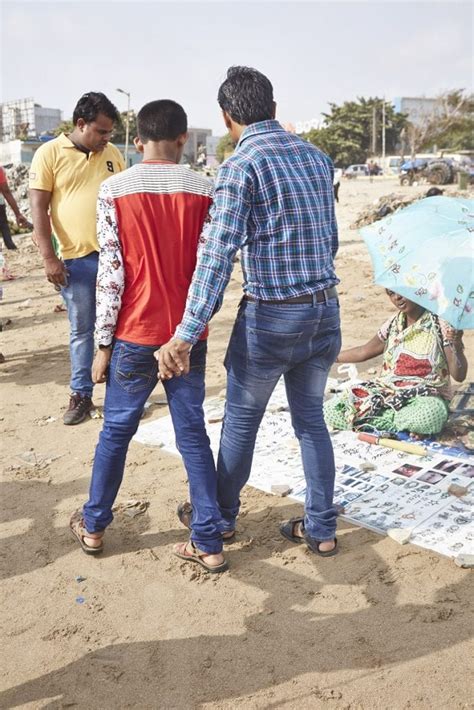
300 342
132 377
79 295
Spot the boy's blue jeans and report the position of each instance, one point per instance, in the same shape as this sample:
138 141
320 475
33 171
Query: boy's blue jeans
132 377
300 342
79 295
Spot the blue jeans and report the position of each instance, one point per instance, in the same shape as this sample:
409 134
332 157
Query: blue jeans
300 342
79 296
132 377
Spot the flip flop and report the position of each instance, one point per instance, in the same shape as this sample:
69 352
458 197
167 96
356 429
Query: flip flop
185 511
76 526
181 551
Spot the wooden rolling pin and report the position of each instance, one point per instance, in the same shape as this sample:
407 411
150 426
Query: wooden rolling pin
394 444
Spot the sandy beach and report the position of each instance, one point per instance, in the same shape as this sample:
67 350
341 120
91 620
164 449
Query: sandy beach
378 626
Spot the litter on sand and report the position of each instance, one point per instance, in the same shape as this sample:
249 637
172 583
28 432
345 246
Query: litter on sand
132 508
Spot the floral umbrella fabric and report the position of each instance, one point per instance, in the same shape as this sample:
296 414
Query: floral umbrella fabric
425 252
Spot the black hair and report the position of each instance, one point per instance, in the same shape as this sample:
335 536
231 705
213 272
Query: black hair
434 192
91 104
162 120
246 95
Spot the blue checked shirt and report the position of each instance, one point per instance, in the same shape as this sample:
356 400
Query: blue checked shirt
274 200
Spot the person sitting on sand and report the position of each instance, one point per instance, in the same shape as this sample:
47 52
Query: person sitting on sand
420 353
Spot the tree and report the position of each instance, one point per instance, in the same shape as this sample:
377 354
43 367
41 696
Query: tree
449 126
64 127
347 131
119 131
225 147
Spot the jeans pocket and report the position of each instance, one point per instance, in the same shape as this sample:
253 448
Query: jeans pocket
136 370
265 347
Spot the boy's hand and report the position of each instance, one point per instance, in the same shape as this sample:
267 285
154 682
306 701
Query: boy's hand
101 365
173 358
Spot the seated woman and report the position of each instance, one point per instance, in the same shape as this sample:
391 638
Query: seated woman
420 352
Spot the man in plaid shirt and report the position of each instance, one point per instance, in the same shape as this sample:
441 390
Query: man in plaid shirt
274 201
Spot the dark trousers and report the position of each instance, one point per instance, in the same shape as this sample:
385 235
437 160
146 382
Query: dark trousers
5 228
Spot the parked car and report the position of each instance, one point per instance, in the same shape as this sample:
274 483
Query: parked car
354 171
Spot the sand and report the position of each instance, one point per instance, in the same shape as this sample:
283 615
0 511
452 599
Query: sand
377 626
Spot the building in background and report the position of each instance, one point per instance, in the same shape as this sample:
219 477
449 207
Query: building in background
24 119
195 146
18 151
211 151
417 108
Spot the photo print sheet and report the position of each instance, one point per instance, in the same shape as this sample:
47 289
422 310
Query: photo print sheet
379 488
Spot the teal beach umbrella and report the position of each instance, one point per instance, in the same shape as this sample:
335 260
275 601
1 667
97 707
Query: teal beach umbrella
425 252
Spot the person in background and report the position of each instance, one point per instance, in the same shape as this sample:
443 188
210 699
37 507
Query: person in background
337 182
420 353
21 220
64 183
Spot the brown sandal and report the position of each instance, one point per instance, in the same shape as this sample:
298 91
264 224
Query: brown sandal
185 511
182 551
76 525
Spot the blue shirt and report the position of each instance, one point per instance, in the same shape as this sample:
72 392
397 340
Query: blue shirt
274 200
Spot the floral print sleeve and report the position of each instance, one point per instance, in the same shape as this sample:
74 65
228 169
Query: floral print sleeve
382 333
111 275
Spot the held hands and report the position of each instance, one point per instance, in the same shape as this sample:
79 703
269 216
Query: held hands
101 365
55 271
173 358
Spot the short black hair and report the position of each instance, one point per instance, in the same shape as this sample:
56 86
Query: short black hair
162 120
91 104
246 95
434 192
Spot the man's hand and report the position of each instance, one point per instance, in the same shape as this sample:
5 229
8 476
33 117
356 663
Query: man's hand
22 221
173 358
101 365
55 271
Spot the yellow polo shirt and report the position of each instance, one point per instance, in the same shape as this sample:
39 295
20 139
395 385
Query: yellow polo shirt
73 178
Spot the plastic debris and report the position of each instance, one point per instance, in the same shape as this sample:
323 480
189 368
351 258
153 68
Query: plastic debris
132 508
80 600
280 489
79 578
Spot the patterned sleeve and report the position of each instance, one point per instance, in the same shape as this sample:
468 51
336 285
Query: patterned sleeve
221 238
111 275
383 331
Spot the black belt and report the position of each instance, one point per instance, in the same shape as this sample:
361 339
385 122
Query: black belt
319 296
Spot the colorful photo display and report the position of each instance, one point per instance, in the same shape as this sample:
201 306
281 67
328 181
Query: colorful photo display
376 487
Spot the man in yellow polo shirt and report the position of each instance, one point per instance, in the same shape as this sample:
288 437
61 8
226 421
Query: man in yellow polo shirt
65 177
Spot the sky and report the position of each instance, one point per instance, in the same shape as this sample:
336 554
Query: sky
313 52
